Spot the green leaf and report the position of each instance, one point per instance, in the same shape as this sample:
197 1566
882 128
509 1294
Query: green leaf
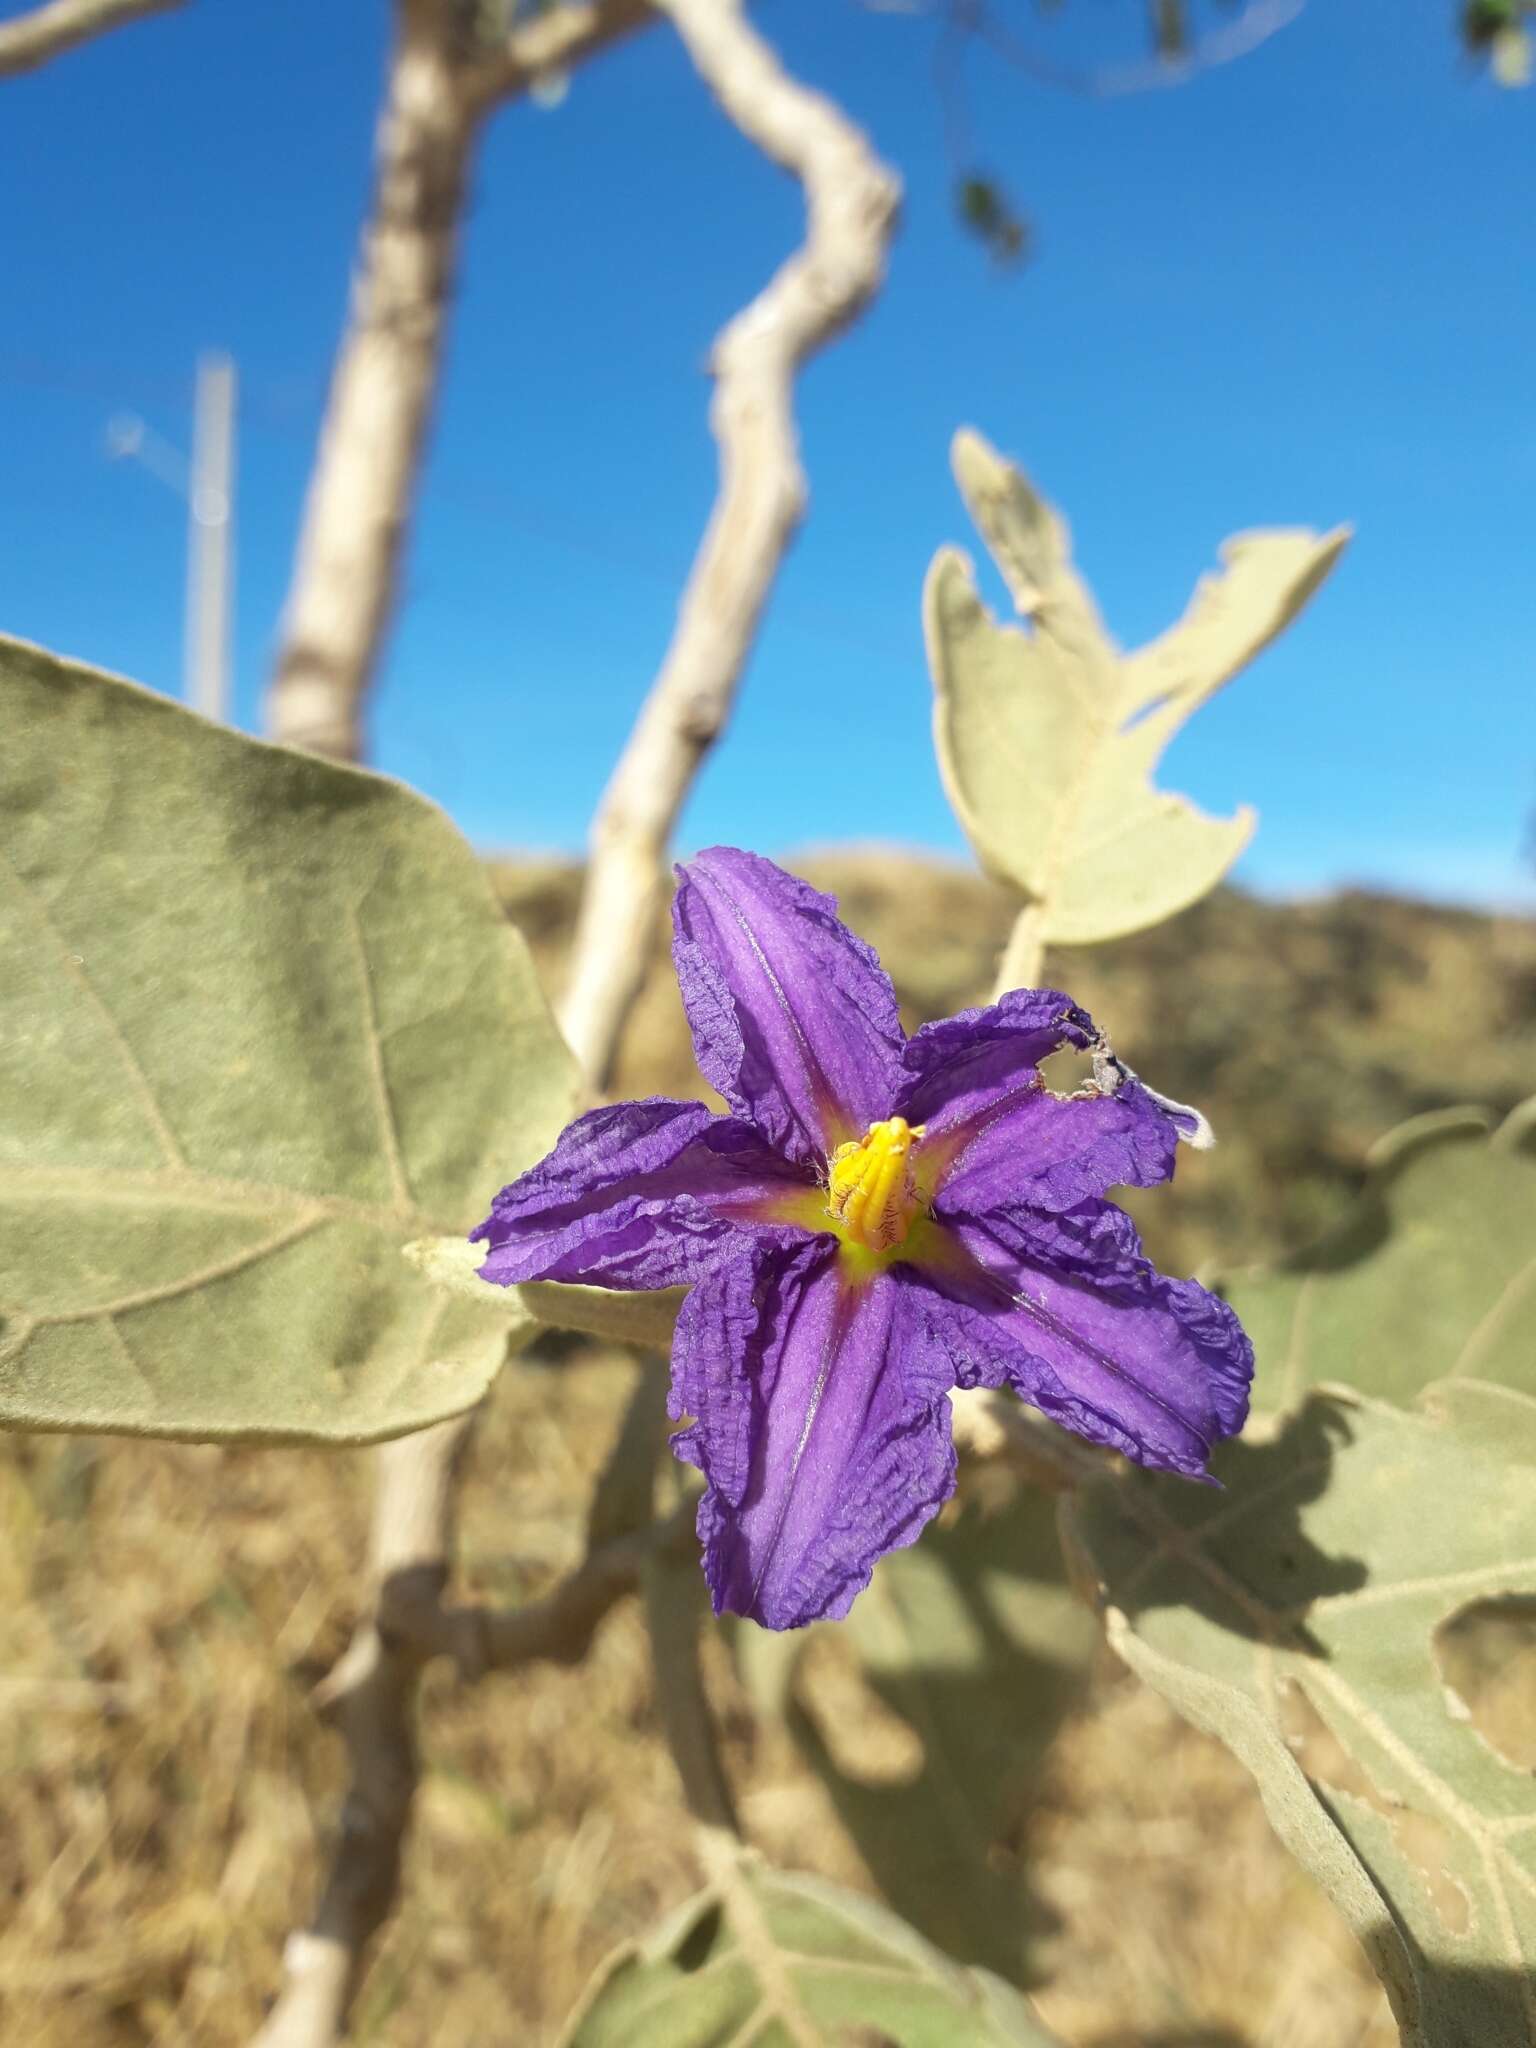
1433 1275
261 1024
1304 1617
1048 738
797 1964
647 1319
956 1669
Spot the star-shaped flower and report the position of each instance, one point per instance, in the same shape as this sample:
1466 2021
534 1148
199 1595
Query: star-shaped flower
877 1220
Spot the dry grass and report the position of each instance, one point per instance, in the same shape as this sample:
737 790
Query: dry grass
165 1610
168 1608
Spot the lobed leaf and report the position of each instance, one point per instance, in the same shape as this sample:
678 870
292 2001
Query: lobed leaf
1433 1275
261 1024
1048 738
797 1963
1303 1616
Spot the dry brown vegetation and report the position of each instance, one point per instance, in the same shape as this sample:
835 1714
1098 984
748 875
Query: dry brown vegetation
165 1609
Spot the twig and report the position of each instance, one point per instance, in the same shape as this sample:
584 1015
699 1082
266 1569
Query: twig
32 39
382 388
441 88
555 40
674 1605
851 204
1257 22
370 1697
674 1600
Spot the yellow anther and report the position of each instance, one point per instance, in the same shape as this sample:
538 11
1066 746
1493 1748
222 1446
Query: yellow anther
870 1188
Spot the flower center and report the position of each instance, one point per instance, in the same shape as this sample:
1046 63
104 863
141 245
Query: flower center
871 1191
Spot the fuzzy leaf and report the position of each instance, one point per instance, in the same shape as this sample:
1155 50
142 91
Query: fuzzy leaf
1048 738
1301 1616
799 1964
970 1648
1433 1276
261 1024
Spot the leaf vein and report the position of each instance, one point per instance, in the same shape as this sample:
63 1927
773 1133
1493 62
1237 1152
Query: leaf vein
74 969
185 1283
1492 1324
388 1124
1408 1589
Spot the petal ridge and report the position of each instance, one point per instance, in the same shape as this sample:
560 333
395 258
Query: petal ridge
848 1450
794 1020
634 1195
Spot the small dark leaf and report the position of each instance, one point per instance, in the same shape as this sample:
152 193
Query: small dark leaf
985 210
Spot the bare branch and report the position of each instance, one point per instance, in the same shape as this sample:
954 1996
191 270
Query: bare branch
555 40
382 391
851 203
370 1697
441 88
32 39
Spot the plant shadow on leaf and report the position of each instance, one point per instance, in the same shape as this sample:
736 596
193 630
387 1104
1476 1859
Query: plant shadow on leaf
1265 1486
1382 1755
928 1713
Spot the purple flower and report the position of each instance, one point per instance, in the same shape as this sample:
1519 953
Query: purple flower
877 1220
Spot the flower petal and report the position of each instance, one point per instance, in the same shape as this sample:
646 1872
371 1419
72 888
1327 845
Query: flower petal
638 1194
1068 1311
1050 1151
958 1066
793 1018
823 1428
997 1136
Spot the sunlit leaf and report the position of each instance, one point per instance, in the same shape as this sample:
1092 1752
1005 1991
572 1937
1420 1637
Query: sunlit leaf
261 1024
1048 735
796 1962
1433 1276
1304 1617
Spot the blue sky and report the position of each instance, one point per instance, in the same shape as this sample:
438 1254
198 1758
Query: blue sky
1300 289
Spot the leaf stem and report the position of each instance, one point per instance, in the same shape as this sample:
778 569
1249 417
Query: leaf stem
1024 955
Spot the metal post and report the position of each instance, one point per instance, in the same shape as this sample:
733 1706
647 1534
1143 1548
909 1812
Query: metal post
210 576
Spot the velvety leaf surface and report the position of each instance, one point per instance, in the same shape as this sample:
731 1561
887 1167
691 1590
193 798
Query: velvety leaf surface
969 1648
1434 1276
261 1024
802 1964
1048 737
1302 1616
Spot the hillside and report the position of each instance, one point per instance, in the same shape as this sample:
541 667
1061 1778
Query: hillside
1302 1030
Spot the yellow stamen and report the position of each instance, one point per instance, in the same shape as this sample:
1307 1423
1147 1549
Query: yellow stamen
871 1191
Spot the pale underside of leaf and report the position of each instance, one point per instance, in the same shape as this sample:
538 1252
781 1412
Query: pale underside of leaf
1048 738
1295 1617
261 1024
